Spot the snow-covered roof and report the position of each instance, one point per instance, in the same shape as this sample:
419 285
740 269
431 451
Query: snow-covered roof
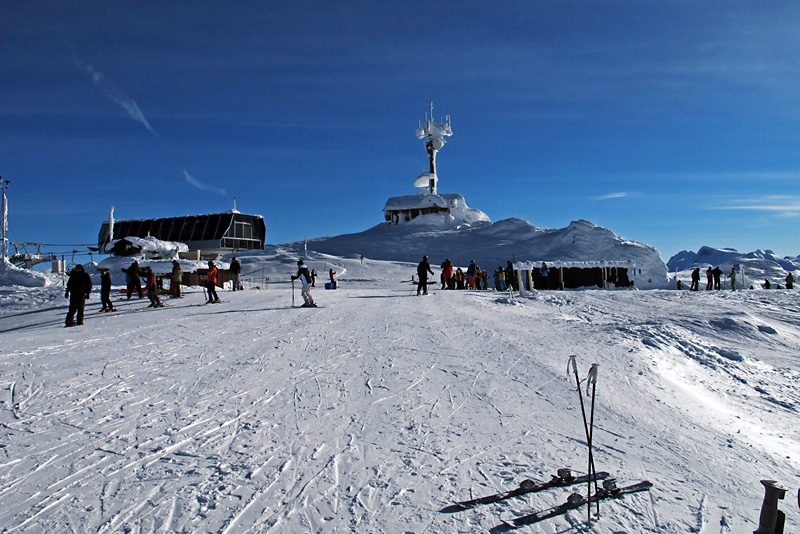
427 200
530 265
152 247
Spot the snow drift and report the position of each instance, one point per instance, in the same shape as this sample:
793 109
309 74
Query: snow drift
11 275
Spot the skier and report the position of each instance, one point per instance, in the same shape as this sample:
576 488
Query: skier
789 281
236 270
175 279
105 291
423 268
133 280
211 283
305 278
79 287
733 278
313 278
709 278
717 272
766 283
695 280
152 288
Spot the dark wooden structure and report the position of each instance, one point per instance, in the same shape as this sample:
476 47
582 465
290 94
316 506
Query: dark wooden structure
213 234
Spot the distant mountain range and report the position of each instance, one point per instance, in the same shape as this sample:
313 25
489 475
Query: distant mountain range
761 264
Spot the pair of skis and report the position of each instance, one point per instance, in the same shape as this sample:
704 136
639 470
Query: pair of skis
576 500
563 479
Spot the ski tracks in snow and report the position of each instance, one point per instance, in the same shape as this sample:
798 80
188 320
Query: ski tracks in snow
367 415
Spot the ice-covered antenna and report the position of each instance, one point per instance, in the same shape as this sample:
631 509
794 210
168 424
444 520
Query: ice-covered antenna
4 219
433 134
110 237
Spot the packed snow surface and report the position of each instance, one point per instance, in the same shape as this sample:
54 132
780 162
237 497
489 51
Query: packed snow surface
375 411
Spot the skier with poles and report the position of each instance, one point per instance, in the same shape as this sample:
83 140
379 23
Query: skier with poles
423 268
304 276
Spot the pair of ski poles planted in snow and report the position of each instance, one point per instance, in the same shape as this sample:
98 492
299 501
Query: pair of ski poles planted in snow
588 425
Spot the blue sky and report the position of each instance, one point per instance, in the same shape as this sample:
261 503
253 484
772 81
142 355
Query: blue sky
674 123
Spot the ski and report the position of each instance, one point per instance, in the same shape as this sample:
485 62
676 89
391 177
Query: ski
576 500
563 479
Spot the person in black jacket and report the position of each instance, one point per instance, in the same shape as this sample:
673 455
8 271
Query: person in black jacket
105 291
422 271
133 279
695 279
717 274
305 278
79 286
236 270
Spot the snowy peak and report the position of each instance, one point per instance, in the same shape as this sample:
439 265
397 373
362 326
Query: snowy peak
493 244
759 264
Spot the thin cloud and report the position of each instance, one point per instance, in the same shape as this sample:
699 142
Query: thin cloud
200 185
609 196
115 95
780 205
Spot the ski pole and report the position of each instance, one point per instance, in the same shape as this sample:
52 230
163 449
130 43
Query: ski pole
592 378
293 293
592 470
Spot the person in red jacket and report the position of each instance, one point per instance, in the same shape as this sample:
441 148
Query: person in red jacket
447 274
211 283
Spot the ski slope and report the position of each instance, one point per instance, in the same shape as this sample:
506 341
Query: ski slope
377 410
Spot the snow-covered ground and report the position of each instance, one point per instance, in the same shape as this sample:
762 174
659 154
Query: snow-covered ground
375 411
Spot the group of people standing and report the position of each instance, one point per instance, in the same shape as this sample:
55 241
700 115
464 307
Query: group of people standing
133 281
455 278
714 279
473 278
79 286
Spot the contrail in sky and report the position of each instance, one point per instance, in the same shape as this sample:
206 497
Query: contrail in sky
200 185
116 95
612 195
